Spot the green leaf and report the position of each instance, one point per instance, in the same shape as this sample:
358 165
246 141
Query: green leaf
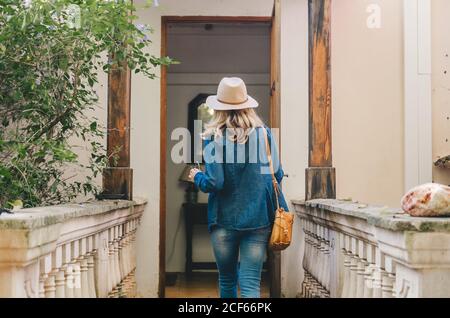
93 126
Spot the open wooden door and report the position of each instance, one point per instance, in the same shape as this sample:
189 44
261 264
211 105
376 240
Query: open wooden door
275 123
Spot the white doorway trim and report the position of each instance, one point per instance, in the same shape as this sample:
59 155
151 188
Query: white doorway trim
417 103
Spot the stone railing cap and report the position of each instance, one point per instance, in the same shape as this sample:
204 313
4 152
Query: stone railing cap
380 216
44 216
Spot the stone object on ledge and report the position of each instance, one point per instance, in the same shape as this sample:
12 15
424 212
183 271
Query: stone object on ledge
427 200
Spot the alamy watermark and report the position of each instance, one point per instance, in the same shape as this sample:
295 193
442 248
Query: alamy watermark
222 149
71 15
374 18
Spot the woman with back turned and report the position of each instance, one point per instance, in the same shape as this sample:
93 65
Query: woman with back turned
241 189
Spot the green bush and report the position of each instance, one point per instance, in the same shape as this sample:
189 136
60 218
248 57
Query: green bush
50 59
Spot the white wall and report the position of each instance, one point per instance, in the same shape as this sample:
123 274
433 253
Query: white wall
206 57
294 125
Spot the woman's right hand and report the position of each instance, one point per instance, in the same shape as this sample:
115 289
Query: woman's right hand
193 173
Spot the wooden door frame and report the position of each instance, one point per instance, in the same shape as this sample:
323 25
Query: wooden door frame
165 20
274 257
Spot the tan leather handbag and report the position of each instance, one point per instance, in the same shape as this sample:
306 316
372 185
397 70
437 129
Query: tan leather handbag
281 235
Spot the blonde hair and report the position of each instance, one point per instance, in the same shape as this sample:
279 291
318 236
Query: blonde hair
238 123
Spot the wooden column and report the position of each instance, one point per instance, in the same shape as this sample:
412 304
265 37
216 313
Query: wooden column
320 175
118 179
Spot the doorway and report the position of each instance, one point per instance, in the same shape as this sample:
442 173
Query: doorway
208 49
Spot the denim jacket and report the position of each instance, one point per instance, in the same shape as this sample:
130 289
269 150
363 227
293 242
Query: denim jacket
241 192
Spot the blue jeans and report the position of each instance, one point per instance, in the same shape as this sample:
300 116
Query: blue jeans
249 247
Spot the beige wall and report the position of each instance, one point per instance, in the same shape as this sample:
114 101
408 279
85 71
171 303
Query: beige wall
82 148
441 85
368 101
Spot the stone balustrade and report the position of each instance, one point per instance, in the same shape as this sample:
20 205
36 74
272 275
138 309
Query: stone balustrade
355 250
70 251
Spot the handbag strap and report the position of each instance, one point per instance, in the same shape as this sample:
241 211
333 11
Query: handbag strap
269 157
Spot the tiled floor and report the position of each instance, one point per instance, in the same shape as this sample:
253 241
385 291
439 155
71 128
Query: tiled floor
203 285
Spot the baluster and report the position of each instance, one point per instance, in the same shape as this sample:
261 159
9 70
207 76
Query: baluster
102 264
361 269
394 286
377 274
83 268
320 252
306 285
319 256
133 260
123 261
324 292
50 286
76 269
116 256
118 278
311 258
368 274
42 277
305 256
112 264
90 265
316 289
327 260
133 245
123 282
310 286
315 256
117 260
120 253
127 256
388 279
68 271
346 251
353 268
110 276
58 273
307 243
340 273
47 282
126 248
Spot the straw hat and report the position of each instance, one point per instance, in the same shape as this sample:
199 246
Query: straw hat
231 95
